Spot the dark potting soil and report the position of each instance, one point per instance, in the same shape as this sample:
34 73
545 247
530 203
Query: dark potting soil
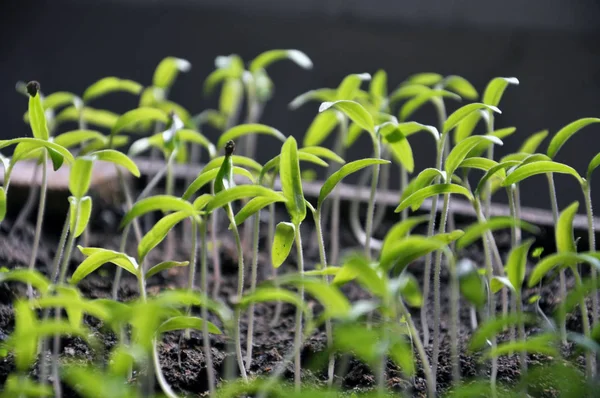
273 338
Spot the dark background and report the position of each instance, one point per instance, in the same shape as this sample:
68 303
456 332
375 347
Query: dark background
550 45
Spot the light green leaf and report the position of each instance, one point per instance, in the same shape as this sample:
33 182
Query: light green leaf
407 91
355 111
240 192
410 128
18 385
408 286
565 241
495 89
493 172
108 85
187 322
196 137
330 270
378 87
97 258
461 86
476 231
207 176
58 99
231 97
466 126
291 181
494 326
407 250
165 265
344 171
321 95
449 237
77 137
283 241
25 343
401 230
561 260
118 158
167 70
368 277
532 143
422 180
37 116
169 107
516 265
501 134
593 165
322 152
416 199
484 164
320 128
399 145
267 294
85 213
417 102
159 231
498 282
164 203
541 167
470 282
96 117
136 116
274 163
80 176
246 129
460 151
463 112
566 132
31 277
253 207
426 79
268 57
335 303
236 160
41 144
541 344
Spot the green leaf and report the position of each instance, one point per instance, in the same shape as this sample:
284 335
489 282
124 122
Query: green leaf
321 95
37 118
187 322
159 231
196 137
463 112
416 199
494 171
410 128
407 250
25 344
532 143
164 203
422 180
109 85
408 286
344 171
501 134
542 344
565 241
495 89
266 294
354 131
461 86
355 111
466 126
561 260
417 102
207 176
566 132
470 282
97 258
498 282
96 117
58 99
268 57
253 207
240 192
593 165
2 203
275 162
401 230
484 164
368 278
167 70
320 128
494 326
283 241
80 176
291 181
460 151
378 87
407 91
165 265
31 277
137 116
399 145
476 231
322 152
246 129
335 303
350 86
77 137
541 167
449 237
426 79
22 386
516 265
118 158
236 160
330 270
35 142
85 213
231 97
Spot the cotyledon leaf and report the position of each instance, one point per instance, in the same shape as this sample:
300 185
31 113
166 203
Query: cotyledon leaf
208 176
320 128
566 132
37 116
563 259
461 86
463 112
262 61
167 70
291 181
401 230
476 231
98 257
460 151
80 176
495 89
498 169
283 240
187 322
254 206
111 84
516 264
118 158
239 192
355 111
163 203
565 241
403 252
85 213
532 143
245 129
415 103
159 231
136 116
541 167
416 199
40 143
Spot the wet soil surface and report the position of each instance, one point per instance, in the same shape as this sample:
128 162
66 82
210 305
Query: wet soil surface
273 338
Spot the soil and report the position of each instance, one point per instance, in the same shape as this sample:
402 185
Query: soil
272 341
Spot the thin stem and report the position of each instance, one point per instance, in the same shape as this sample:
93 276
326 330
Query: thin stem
40 218
253 277
170 187
515 240
403 184
490 155
585 321
454 321
371 206
214 222
205 337
240 289
587 193
162 381
429 378
298 331
334 228
437 305
563 280
384 181
521 329
28 207
270 237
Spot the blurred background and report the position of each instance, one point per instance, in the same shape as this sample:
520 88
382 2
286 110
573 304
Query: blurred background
551 46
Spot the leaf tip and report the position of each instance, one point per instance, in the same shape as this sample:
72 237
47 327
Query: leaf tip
324 106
